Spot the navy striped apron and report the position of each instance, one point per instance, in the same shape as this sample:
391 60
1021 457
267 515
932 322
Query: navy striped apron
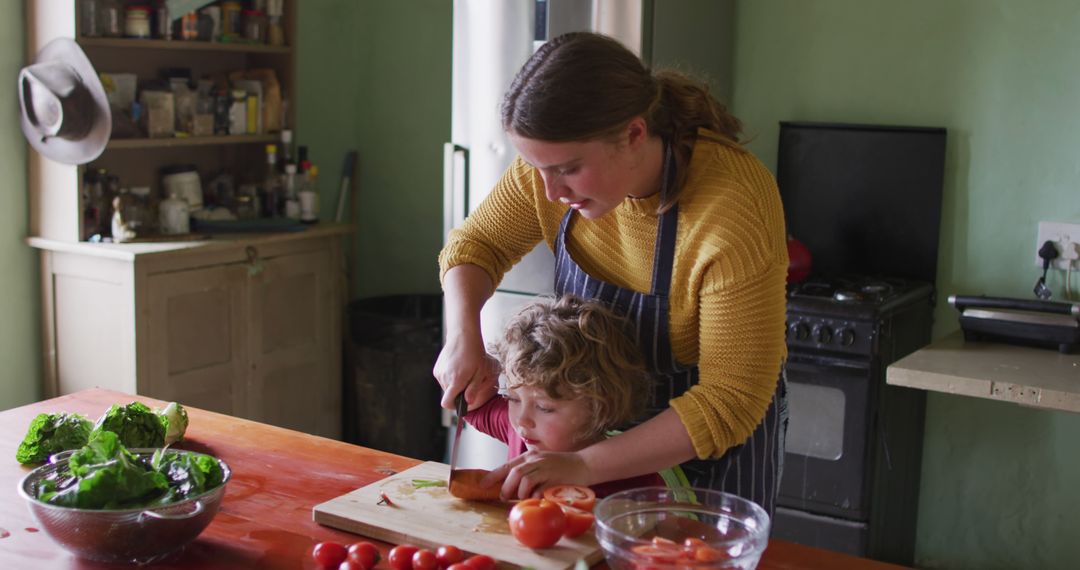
752 469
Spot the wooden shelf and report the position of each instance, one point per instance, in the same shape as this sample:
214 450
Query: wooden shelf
1034 377
181 45
173 142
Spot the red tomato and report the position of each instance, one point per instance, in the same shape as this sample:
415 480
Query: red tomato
400 557
424 559
537 523
449 555
350 565
480 562
329 554
577 522
577 496
364 554
459 566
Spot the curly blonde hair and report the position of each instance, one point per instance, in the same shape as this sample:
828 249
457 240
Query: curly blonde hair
574 348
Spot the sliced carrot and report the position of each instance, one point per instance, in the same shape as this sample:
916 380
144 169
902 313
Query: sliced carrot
465 484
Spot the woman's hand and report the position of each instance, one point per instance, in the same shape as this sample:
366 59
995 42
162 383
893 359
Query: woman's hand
463 364
528 474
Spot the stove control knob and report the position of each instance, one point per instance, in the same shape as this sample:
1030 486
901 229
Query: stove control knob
823 334
800 331
846 336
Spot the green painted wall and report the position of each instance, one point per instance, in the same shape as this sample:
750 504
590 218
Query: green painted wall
375 77
20 336
999 487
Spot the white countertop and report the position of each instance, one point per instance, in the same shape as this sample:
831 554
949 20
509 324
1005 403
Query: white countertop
1035 377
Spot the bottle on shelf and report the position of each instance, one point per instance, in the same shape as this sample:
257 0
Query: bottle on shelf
90 18
271 194
91 188
275 30
309 197
285 149
292 202
112 18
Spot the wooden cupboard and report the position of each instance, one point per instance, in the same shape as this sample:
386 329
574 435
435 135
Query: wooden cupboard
247 326
244 324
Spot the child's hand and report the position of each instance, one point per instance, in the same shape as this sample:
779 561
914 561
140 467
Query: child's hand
528 474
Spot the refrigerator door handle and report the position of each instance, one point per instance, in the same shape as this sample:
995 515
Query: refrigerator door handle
455 196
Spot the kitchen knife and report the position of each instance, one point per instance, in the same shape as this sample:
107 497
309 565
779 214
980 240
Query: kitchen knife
460 407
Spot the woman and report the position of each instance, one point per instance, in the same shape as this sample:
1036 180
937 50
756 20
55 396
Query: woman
639 185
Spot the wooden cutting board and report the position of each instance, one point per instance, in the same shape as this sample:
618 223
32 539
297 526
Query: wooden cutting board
430 517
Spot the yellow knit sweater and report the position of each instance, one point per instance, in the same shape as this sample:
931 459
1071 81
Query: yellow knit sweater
727 291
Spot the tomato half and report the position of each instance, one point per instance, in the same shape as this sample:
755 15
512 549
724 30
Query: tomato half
537 523
577 522
654 553
577 496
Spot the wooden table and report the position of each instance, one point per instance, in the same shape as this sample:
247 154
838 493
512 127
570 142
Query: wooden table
265 519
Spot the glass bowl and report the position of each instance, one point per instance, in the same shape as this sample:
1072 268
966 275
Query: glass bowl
660 528
139 535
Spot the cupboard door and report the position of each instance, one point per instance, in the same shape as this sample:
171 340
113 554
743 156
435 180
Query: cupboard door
292 382
196 333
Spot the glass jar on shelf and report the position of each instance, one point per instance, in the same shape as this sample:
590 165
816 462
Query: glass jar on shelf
137 22
255 26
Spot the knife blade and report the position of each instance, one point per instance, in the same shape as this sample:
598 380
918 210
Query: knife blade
460 408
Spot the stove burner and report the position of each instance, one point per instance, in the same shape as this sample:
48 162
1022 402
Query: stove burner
848 296
852 289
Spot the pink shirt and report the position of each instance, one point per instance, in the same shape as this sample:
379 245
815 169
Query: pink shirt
493 418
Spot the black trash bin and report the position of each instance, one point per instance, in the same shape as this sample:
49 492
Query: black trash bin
391 398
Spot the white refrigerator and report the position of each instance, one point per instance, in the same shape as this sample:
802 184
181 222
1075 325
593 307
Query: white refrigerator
491 40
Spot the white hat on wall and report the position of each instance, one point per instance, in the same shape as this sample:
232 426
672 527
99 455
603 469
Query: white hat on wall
65 113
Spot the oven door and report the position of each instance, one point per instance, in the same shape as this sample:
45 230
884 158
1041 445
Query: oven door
825 462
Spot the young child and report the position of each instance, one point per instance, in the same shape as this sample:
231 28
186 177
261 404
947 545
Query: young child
572 372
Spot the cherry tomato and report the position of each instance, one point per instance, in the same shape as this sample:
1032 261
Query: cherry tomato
537 523
449 555
459 566
577 522
400 557
480 562
364 554
329 554
350 565
577 496
424 559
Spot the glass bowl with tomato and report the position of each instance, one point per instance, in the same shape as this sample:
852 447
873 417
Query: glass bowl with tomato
659 528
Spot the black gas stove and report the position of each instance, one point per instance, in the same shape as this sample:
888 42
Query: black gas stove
841 313
865 200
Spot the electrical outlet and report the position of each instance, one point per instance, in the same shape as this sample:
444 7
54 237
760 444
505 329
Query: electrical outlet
1066 238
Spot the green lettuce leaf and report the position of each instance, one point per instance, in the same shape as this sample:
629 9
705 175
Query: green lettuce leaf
53 433
104 475
136 424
